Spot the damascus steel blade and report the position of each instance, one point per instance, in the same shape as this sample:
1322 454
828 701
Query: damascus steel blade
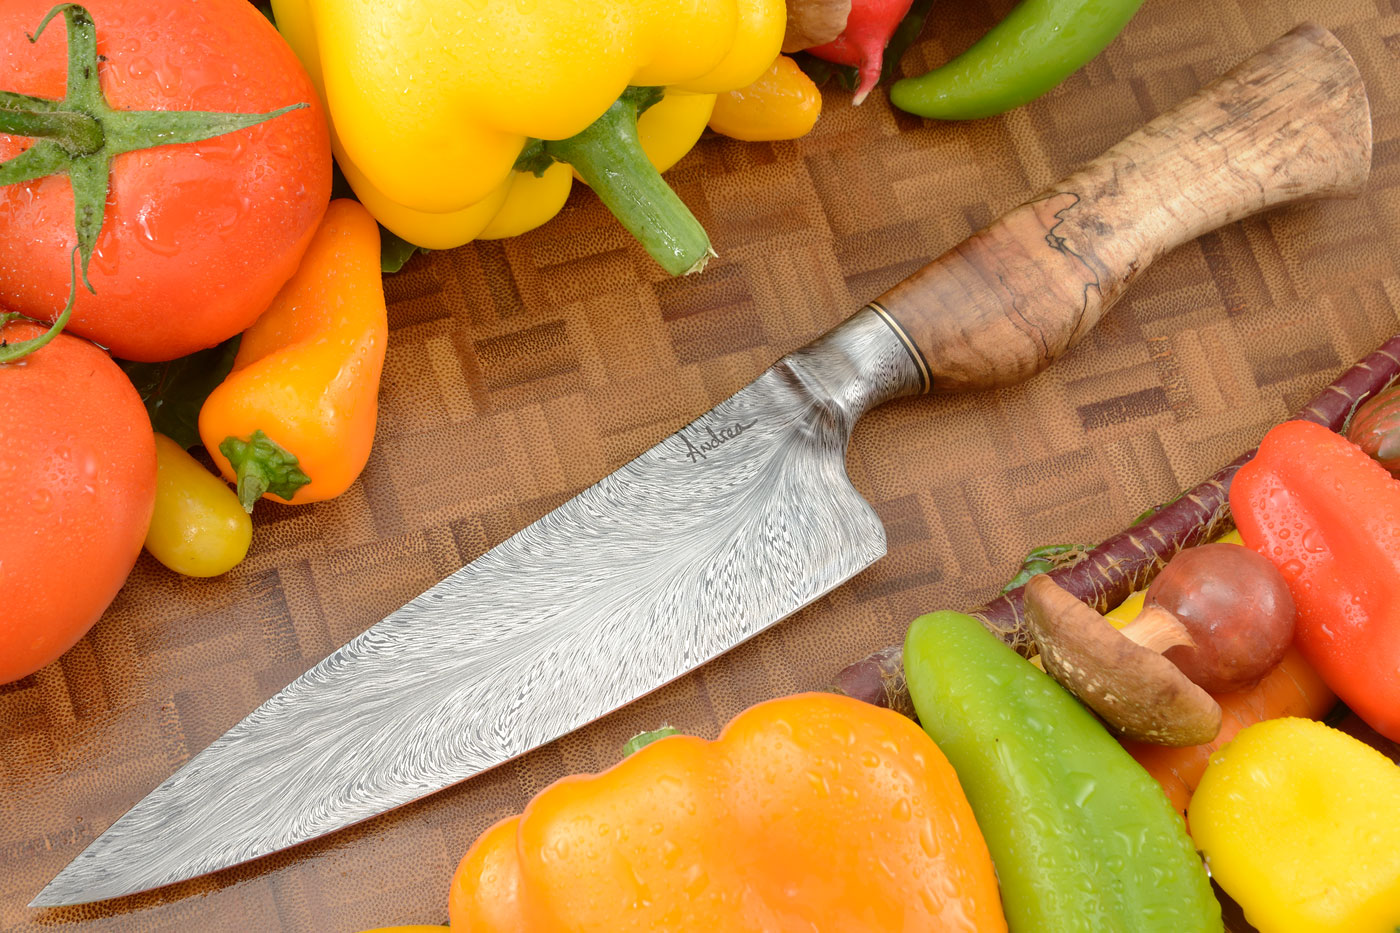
739 519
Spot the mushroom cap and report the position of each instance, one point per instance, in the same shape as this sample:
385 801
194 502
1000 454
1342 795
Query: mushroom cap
1137 692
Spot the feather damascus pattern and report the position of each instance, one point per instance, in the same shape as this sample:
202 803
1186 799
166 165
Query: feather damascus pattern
722 529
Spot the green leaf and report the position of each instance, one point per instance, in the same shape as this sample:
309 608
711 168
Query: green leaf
175 390
904 35
822 71
1045 559
394 251
340 187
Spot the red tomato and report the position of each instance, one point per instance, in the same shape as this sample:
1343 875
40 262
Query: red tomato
77 485
197 237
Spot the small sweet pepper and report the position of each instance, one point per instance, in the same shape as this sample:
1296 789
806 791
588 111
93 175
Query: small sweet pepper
782 104
437 105
1296 821
808 812
295 418
1328 516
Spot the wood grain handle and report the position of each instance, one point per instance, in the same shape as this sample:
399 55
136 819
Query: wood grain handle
1289 124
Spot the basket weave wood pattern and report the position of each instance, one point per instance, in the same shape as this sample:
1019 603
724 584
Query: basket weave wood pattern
521 371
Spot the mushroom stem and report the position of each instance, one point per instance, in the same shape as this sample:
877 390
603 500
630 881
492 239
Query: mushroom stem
1157 630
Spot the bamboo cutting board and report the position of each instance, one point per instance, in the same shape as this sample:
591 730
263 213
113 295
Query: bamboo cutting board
521 371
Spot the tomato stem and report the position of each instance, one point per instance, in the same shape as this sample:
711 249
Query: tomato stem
9 352
77 133
261 465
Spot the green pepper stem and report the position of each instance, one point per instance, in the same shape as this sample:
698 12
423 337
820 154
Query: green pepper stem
261 465
609 156
77 133
643 739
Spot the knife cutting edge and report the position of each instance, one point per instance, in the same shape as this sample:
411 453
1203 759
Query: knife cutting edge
740 518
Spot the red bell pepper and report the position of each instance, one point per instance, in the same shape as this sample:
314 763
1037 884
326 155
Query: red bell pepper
1328 516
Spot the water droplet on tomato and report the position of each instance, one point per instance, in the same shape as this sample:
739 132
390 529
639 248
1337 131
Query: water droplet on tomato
152 237
41 501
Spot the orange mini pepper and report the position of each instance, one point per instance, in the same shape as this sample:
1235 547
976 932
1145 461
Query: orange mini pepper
782 104
295 418
808 812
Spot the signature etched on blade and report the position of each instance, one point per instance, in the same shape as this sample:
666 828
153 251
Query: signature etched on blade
719 531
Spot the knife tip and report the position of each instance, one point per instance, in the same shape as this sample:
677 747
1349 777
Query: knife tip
68 888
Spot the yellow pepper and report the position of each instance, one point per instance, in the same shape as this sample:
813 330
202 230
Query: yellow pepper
437 105
295 417
197 528
782 104
1297 824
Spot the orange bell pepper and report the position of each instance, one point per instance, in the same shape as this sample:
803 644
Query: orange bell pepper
808 812
295 418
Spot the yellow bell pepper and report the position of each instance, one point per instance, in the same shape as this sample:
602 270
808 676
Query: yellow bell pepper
1296 821
438 106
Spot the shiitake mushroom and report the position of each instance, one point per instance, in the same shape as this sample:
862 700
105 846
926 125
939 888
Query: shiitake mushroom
1217 619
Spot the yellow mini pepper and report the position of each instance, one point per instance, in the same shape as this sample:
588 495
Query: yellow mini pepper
197 528
438 107
295 418
1297 824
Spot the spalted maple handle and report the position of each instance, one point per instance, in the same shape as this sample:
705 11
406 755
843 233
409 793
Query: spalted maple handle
1289 124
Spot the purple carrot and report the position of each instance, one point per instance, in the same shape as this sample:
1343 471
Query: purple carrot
1129 560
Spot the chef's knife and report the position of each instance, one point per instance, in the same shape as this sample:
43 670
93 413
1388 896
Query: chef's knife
740 518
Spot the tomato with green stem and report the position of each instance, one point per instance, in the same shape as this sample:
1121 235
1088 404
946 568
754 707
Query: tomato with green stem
179 148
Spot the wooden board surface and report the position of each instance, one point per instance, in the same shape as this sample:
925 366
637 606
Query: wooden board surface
521 371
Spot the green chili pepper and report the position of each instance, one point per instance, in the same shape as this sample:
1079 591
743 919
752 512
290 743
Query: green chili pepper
1081 837
1037 46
